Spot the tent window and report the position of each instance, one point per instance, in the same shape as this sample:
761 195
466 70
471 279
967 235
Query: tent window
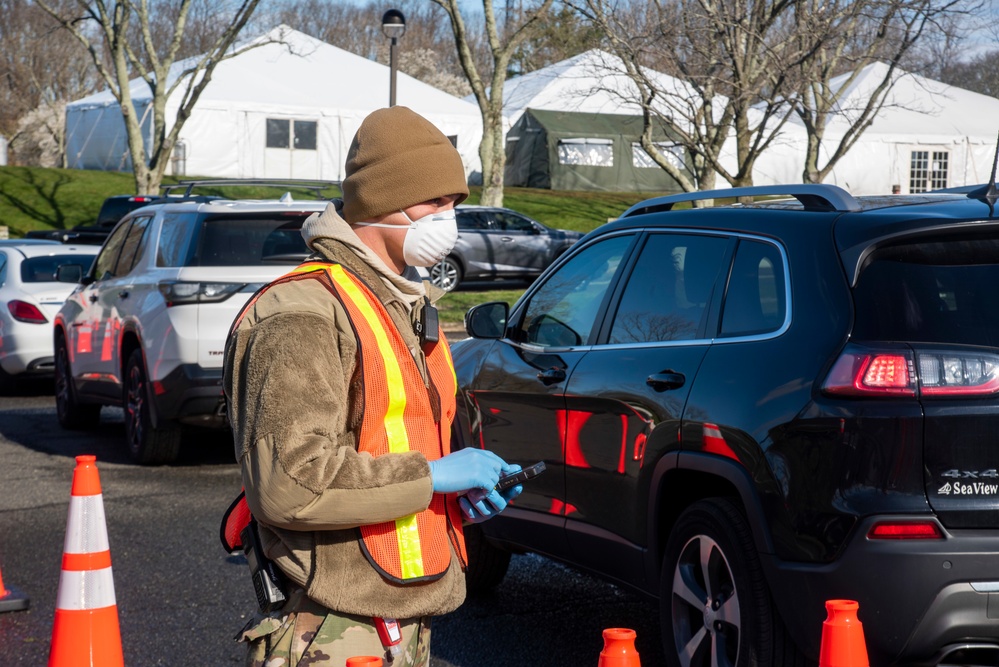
586 152
641 160
297 134
278 133
305 134
927 174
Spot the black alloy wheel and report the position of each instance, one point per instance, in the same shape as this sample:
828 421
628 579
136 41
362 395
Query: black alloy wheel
69 411
715 609
146 444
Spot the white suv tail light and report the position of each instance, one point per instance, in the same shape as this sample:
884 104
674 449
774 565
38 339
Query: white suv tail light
177 292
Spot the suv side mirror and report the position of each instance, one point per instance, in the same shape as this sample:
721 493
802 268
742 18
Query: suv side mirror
487 320
69 273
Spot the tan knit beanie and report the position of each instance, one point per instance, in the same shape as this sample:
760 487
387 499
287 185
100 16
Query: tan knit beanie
398 159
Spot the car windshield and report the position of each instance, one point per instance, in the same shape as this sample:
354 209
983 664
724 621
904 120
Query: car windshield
931 292
43 269
250 241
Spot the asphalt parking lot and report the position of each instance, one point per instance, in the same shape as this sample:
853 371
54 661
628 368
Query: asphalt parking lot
181 599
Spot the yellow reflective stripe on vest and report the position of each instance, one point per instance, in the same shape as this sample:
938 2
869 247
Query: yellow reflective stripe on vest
406 529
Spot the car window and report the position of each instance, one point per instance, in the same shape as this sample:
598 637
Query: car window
472 221
3 268
104 265
175 238
756 302
563 311
514 223
931 292
43 269
131 249
667 294
250 241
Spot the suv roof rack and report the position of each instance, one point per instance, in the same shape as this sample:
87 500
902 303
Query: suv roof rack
305 184
815 196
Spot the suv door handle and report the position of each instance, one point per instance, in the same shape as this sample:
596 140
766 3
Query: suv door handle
665 380
552 375
123 294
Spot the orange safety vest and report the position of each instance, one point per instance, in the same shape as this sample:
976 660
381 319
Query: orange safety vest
396 419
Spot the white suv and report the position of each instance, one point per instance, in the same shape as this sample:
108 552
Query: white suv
147 326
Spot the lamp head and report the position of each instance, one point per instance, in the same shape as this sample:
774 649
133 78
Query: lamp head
393 24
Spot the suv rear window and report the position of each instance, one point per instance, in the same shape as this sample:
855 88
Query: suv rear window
234 241
931 292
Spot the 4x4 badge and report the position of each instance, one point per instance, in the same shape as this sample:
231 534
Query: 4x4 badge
971 474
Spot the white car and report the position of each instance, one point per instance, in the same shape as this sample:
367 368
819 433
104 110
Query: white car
147 326
30 296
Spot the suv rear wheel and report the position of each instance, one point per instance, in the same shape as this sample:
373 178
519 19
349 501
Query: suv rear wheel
146 444
71 413
714 605
487 564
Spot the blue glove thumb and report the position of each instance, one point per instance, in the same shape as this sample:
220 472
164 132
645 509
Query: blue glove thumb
466 469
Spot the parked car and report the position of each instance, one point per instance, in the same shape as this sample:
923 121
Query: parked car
498 243
146 328
749 410
30 296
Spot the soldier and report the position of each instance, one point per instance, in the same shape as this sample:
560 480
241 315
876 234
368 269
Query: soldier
341 393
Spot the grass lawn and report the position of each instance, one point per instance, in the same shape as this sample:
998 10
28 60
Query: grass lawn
37 198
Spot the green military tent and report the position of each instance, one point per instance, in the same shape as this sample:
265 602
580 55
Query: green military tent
567 150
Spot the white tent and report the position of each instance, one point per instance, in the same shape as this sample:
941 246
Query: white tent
286 108
593 82
928 135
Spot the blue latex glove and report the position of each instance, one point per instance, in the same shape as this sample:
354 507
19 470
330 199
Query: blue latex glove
466 469
478 505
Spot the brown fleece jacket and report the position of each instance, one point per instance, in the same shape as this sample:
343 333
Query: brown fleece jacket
292 382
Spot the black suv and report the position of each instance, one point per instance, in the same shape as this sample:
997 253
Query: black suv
748 410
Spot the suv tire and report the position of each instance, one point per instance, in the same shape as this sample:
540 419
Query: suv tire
711 558
71 413
487 564
146 444
446 274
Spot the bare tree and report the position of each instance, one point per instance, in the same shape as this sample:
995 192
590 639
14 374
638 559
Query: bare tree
843 37
729 63
119 36
503 43
980 74
32 91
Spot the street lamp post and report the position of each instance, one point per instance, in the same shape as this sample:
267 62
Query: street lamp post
394 27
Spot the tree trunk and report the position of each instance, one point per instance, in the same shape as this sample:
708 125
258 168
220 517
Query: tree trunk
492 153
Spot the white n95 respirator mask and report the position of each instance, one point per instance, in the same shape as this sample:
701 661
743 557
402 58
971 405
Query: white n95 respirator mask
428 240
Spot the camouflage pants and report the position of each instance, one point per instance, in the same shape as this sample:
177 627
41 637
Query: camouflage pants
304 633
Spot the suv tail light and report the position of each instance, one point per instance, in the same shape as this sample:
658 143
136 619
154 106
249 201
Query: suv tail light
180 292
22 311
904 372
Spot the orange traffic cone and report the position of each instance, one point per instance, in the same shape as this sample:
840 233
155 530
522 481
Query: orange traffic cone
86 631
364 661
842 636
11 599
619 649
